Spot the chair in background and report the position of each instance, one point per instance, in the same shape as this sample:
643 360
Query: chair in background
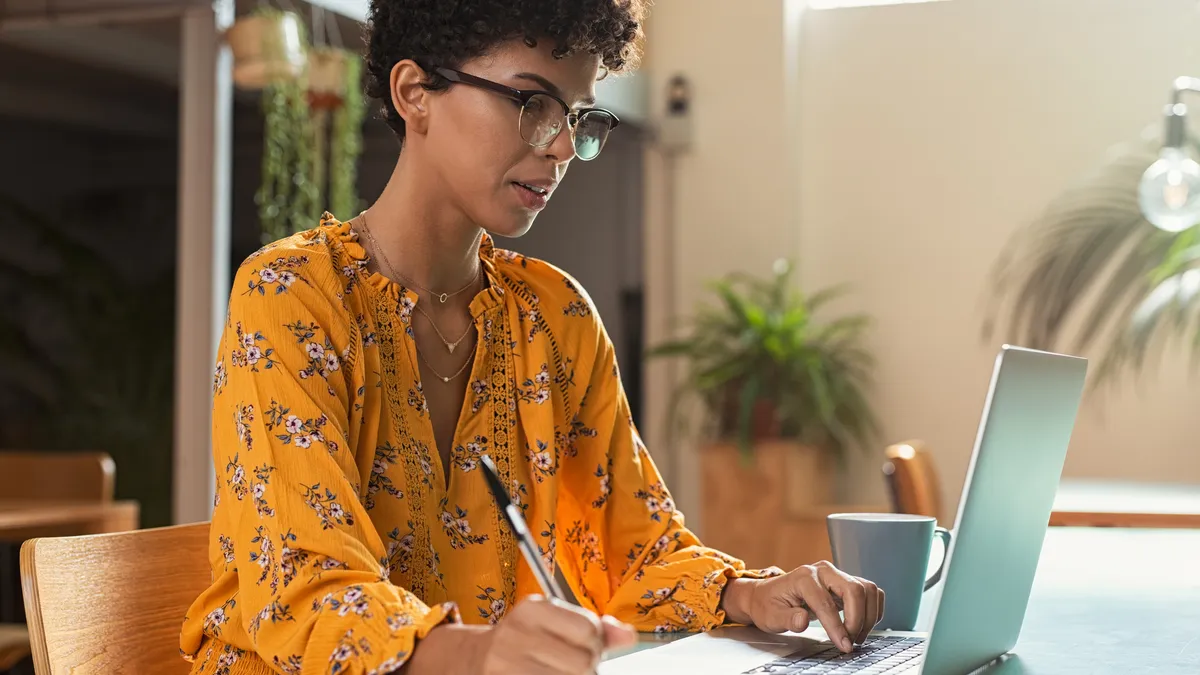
43 477
912 479
113 603
14 645
57 476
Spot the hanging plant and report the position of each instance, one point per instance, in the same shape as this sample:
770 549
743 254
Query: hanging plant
289 196
346 143
335 96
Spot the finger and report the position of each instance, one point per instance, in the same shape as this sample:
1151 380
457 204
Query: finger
800 621
575 625
534 667
882 604
781 618
870 612
776 617
853 594
617 634
559 656
821 603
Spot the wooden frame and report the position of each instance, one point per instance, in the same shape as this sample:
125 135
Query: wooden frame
1136 520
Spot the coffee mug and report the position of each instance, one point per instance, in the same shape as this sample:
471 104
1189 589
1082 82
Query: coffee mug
891 550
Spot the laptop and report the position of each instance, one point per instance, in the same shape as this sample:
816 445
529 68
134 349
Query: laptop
1020 448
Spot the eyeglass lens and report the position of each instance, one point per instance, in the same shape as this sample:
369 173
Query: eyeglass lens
542 119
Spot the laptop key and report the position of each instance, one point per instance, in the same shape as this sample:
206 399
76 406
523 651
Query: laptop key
878 656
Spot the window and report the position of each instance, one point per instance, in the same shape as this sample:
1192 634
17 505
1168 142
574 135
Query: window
836 4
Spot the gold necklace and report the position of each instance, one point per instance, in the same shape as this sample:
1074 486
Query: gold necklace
433 370
442 297
449 345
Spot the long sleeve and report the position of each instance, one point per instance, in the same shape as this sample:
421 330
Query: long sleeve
627 550
312 578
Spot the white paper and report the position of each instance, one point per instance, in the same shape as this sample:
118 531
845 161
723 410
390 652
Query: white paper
724 651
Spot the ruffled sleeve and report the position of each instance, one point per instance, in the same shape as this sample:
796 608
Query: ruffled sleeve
627 551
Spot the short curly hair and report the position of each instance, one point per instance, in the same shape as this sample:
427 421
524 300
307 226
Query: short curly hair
447 33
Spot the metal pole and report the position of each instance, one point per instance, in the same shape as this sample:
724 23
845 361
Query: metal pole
205 147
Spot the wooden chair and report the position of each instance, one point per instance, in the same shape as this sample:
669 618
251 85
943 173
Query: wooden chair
57 476
46 476
912 479
113 604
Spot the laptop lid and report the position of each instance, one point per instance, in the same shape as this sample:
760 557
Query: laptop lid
1009 492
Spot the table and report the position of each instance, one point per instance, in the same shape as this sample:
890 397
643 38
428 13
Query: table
24 519
1104 601
1102 503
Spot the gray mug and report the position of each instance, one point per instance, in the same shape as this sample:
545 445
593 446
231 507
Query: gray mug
892 551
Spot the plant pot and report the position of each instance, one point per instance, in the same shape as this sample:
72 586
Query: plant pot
747 501
267 48
765 423
327 78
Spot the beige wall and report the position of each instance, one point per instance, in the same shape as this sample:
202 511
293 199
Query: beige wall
924 135
729 190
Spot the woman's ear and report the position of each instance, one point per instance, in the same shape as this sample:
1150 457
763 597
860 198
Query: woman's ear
409 96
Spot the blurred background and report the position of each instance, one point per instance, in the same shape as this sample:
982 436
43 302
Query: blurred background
816 228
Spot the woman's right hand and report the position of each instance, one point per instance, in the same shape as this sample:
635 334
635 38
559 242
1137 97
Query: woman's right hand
547 637
538 637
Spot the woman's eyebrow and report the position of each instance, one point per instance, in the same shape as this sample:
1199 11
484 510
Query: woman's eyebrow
551 87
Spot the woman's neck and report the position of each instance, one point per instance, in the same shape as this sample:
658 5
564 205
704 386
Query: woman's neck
424 240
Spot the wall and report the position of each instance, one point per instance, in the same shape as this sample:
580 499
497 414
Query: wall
730 190
901 154
977 113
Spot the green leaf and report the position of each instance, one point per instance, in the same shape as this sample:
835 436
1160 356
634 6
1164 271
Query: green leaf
762 344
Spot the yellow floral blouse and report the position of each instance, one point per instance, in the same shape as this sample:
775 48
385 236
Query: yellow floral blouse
335 542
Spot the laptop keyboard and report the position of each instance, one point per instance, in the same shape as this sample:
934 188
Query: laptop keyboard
878 656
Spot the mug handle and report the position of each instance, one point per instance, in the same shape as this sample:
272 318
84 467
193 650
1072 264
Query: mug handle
943 534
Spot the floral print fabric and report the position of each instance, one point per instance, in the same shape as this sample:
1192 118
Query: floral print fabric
339 539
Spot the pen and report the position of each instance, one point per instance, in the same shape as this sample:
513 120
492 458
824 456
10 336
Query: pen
516 521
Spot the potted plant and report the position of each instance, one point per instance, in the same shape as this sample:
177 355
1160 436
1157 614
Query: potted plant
1091 271
784 396
268 45
335 97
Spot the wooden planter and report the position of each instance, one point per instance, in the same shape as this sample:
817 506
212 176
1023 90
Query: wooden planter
747 504
326 78
267 49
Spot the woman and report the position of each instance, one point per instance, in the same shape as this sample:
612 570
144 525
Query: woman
367 365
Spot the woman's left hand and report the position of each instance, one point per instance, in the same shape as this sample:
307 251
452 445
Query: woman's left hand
790 601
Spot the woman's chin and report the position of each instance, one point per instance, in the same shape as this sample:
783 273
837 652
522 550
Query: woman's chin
513 227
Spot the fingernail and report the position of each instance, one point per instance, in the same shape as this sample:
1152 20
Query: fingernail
847 644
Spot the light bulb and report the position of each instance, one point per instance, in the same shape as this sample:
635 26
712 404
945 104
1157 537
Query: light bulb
1169 194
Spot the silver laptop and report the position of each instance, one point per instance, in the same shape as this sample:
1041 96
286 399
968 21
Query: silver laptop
1014 472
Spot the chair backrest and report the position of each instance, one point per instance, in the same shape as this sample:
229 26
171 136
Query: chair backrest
112 603
86 476
912 479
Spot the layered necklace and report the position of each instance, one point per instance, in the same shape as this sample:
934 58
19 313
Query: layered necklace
451 345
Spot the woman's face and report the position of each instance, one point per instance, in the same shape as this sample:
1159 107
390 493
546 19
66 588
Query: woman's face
471 137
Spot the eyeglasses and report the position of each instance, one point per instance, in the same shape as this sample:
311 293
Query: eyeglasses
543 114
